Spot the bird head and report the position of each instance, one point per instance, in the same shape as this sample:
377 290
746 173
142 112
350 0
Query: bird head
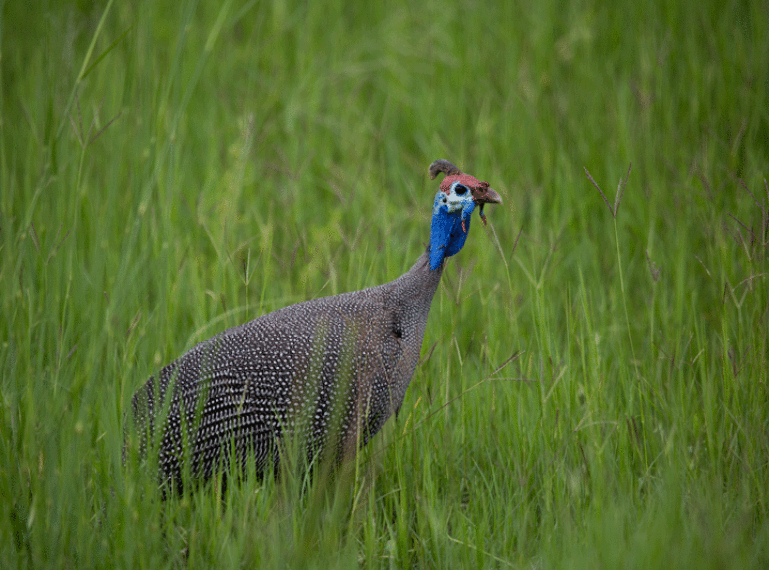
457 198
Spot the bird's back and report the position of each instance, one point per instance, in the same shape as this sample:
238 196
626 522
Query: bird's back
327 372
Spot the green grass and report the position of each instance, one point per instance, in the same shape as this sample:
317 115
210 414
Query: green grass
169 170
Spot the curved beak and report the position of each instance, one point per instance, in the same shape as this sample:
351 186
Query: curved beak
488 197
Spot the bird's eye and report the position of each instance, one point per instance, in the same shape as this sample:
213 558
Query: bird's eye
460 190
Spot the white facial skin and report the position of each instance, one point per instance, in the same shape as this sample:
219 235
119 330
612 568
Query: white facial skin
458 198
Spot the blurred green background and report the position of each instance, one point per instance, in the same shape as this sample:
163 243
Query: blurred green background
170 169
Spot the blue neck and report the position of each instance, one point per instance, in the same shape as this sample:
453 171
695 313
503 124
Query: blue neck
447 235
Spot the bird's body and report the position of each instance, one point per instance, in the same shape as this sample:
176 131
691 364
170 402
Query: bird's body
326 372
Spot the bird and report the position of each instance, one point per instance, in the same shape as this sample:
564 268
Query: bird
328 372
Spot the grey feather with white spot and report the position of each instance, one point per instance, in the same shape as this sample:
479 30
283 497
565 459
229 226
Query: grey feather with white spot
286 370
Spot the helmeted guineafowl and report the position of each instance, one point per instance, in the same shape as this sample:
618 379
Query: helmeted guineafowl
328 372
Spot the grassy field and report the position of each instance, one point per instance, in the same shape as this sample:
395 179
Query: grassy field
594 386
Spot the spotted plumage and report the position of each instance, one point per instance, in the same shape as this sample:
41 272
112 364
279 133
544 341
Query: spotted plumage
328 372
